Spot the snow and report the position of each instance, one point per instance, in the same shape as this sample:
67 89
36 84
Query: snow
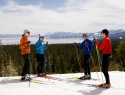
64 85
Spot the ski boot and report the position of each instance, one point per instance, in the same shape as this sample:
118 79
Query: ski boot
89 76
106 85
23 78
84 77
43 74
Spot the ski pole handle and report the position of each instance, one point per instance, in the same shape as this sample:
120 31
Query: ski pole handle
75 44
47 43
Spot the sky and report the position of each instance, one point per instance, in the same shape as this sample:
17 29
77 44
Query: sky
48 16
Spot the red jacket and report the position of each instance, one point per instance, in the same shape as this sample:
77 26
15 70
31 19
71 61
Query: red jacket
106 46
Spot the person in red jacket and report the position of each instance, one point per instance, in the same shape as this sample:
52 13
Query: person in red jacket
106 48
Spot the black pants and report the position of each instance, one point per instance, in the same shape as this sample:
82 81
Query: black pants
105 66
40 61
86 65
26 64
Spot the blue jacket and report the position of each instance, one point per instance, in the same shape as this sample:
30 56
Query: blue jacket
87 49
40 47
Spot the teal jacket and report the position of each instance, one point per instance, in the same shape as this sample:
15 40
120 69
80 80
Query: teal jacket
40 47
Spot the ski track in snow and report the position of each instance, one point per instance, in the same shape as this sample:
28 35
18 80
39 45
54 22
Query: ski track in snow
62 85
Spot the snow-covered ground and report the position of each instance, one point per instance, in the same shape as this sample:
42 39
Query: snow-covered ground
65 84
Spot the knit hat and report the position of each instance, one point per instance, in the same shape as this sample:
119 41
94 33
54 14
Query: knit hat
41 36
26 31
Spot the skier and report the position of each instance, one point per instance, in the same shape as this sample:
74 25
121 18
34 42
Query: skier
106 48
40 47
25 48
87 45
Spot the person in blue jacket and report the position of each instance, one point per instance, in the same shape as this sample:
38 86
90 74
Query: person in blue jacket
40 47
87 45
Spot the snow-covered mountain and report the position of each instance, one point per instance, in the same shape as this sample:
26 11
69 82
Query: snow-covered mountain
112 34
58 35
117 33
14 35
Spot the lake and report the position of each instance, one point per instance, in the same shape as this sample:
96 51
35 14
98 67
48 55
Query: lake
16 40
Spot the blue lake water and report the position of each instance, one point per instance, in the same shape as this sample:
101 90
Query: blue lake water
16 40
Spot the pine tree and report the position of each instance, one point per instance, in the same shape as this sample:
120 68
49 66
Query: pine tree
121 53
63 58
1 58
9 70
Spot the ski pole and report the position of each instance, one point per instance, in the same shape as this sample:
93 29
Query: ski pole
29 72
99 60
78 61
44 65
40 66
48 60
41 69
120 58
93 63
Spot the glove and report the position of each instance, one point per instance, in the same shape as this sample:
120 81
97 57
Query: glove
47 43
75 43
94 41
43 43
87 44
28 42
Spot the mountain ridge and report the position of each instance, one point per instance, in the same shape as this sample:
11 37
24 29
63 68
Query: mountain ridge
59 35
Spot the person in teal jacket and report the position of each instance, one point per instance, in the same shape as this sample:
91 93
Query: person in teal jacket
40 47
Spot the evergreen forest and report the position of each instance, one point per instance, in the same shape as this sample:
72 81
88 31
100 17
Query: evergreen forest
59 58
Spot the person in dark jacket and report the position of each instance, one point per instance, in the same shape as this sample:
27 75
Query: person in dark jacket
87 45
40 47
106 48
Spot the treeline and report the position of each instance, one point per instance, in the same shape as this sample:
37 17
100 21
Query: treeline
61 57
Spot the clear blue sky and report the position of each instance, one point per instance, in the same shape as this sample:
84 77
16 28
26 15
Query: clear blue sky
48 4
